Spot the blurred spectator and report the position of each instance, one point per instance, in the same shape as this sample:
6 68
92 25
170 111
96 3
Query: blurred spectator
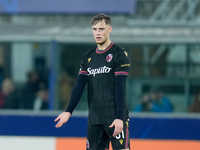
145 101
66 84
29 91
195 106
155 101
2 96
12 100
41 101
2 99
1 74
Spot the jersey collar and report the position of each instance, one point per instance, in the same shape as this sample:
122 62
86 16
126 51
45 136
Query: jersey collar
102 51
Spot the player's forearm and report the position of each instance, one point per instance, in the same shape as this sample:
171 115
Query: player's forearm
120 96
77 92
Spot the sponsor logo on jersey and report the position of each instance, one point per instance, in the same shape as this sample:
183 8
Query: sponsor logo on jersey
109 57
99 70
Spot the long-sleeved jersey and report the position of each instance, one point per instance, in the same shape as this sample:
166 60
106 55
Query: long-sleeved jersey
102 67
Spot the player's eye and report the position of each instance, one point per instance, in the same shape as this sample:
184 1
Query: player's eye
94 29
101 29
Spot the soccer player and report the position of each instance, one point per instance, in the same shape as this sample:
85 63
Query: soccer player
105 69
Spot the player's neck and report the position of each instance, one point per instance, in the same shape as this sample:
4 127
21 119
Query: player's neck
103 46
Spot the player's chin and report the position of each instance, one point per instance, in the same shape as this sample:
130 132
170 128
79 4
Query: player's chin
98 42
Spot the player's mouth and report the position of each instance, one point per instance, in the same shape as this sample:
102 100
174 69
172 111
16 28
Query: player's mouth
98 38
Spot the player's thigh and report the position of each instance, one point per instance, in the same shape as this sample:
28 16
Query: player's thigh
122 140
97 138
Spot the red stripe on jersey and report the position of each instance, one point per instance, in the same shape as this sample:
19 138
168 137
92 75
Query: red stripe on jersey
83 72
100 52
121 73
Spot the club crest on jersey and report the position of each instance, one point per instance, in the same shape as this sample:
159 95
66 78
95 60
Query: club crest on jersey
109 57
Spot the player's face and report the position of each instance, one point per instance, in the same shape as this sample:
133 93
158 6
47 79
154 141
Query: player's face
101 32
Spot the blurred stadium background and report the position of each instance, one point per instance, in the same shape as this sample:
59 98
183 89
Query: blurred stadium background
41 45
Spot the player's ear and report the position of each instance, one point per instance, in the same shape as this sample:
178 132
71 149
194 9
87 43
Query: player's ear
110 29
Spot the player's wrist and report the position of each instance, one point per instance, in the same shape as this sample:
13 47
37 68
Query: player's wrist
120 118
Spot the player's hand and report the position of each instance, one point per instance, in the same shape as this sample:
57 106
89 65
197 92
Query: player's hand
118 124
62 119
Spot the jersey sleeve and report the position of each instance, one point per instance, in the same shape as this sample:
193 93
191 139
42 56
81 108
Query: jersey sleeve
122 64
83 66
